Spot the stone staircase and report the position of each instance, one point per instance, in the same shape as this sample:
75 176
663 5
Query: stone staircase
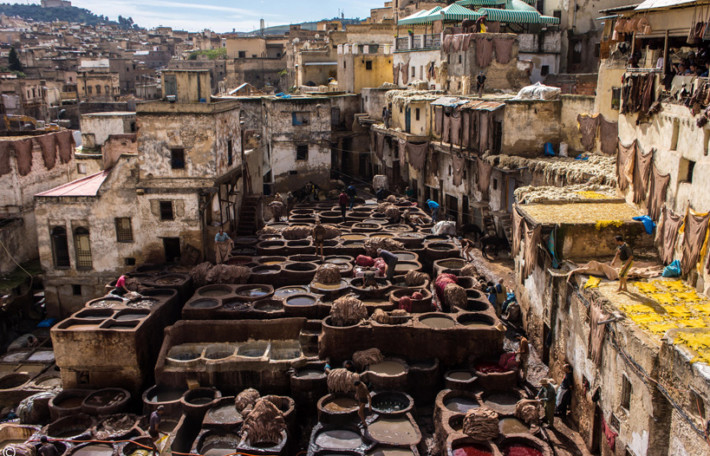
249 216
507 223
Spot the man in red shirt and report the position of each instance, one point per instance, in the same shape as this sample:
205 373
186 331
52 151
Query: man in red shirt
343 200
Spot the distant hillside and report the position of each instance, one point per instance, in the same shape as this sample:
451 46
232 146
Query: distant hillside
281 29
39 14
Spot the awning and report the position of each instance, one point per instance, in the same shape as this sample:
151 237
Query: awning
479 105
481 2
320 64
457 13
86 186
657 4
421 17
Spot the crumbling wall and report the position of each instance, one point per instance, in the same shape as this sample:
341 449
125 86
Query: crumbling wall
528 125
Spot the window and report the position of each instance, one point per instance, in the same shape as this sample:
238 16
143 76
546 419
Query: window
230 153
416 113
302 152
674 136
129 261
697 405
81 168
335 116
82 246
460 60
34 93
177 158
495 184
300 118
292 172
345 64
576 50
60 248
368 65
170 85
124 231
166 210
89 90
76 290
242 54
686 168
616 98
414 72
626 391
98 89
544 70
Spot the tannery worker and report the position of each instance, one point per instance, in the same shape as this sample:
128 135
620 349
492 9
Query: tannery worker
222 246
391 261
547 396
524 355
154 423
120 288
343 201
46 448
362 394
623 253
318 234
466 248
434 208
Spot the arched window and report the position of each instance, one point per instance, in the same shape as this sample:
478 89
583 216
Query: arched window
82 245
60 248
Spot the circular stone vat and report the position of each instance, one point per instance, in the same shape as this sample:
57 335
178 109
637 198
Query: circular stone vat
254 292
12 381
93 449
299 272
269 305
131 315
338 439
301 300
525 446
467 447
460 379
219 351
460 404
255 349
310 373
200 396
239 260
512 425
404 267
285 292
271 260
158 395
339 406
353 237
203 303
106 401
184 354
262 272
394 431
215 291
72 427
94 314
475 305
106 303
475 321
67 402
303 258
382 235
437 321
393 403
329 290
404 255
390 451
503 402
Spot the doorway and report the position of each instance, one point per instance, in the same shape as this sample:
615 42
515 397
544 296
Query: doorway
452 207
172 249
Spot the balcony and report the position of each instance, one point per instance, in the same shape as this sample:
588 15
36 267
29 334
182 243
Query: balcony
419 43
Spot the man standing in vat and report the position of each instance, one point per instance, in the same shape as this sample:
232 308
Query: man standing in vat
362 394
318 234
46 448
154 422
223 246
391 260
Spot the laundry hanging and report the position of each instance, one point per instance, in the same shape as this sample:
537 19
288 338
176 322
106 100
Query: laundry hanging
438 119
65 143
642 174
667 234
456 128
48 145
625 159
588 126
465 129
458 164
484 176
597 332
696 227
4 158
658 189
23 155
446 134
518 221
380 145
608 135
484 51
504 49
533 236
417 154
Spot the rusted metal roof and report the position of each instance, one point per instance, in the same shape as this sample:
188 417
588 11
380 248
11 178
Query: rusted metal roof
87 186
479 105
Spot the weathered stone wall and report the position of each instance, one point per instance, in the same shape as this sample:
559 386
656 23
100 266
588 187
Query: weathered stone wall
572 106
610 75
528 125
373 100
418 60
96 128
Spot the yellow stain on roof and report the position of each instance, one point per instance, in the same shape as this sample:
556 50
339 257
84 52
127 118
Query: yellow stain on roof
592 195
661 305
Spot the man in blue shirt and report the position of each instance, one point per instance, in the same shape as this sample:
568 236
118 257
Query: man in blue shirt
222 246
434 208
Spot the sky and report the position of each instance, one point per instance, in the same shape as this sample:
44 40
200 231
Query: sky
224 15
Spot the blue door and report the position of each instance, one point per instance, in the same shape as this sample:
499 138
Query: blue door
408 120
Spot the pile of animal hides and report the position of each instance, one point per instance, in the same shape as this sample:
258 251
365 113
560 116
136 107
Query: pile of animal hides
481 424
368 357
264 424
327 274
347 311
342 380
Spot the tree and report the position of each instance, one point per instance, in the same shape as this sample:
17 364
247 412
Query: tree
14 61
